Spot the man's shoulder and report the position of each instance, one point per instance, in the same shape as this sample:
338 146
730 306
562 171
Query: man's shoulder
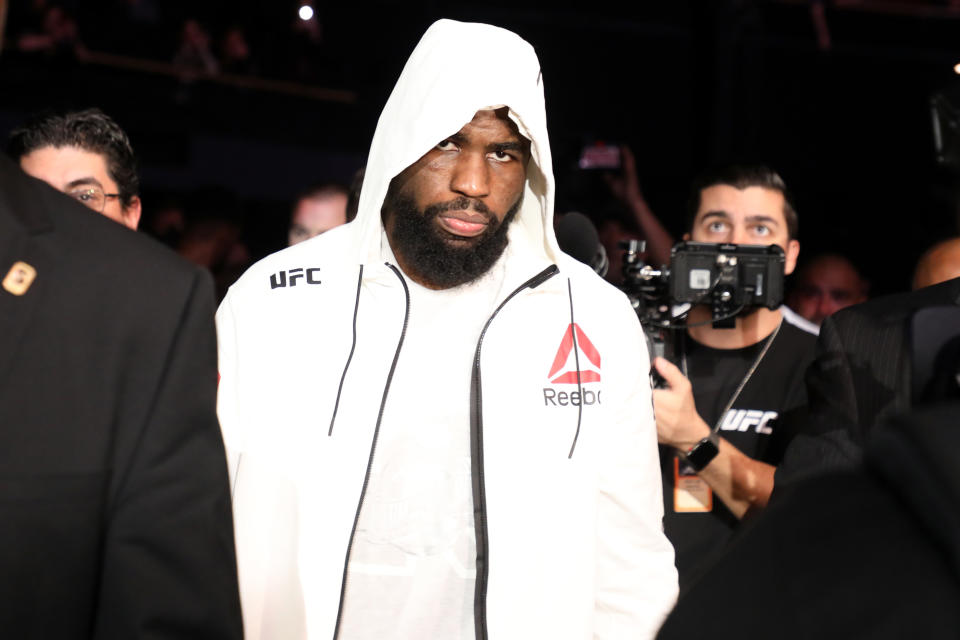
897 307
300 265
583 279
93 248
792 317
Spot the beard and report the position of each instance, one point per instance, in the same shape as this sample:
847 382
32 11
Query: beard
439 258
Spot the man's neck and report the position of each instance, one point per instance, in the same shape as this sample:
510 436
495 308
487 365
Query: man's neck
749 329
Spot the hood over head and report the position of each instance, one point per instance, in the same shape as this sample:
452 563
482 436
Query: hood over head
456 70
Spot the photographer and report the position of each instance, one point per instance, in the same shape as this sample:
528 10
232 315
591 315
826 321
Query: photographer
721 418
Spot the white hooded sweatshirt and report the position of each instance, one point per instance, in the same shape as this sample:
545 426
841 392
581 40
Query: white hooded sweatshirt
565 472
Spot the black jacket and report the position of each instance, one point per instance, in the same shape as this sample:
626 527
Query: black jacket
861 374
866 553
115 514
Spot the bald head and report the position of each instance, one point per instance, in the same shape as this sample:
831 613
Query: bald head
941 262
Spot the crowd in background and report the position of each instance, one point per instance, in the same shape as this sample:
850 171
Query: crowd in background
226 232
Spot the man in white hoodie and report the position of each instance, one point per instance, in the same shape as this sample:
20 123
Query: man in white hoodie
451 436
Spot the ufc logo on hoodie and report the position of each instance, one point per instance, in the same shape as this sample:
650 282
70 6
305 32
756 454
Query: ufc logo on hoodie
292 276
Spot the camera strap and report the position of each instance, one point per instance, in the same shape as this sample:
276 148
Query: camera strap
746 378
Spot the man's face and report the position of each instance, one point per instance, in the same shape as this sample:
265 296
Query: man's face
447 214
76 171
826 286
744 216
313 216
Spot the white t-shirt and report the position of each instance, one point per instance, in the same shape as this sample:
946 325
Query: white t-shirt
412 566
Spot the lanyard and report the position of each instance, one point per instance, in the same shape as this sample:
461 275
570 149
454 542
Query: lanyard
746 378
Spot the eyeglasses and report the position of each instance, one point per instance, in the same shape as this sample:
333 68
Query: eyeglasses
91 196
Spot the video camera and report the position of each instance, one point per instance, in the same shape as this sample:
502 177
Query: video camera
729 278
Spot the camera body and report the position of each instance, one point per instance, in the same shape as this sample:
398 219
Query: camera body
738 276
729 278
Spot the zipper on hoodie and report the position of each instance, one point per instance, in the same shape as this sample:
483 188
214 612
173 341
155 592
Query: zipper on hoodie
476 462
373 444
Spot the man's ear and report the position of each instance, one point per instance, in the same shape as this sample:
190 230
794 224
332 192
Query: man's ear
792 253
686 237
131 213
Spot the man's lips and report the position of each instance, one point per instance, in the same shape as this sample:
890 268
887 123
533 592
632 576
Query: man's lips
463 223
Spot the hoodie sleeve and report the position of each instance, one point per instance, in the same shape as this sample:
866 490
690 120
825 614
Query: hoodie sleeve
636 576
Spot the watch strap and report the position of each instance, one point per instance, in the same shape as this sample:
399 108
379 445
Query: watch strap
702 453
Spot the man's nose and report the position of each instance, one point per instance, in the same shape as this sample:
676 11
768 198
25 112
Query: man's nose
471 176
827 306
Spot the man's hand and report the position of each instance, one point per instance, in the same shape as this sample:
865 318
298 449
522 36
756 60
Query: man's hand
625 186
741 482
678 423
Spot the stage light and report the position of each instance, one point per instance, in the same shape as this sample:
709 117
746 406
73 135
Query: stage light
305 12
956 68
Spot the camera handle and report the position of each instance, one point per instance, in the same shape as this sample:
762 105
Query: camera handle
724 312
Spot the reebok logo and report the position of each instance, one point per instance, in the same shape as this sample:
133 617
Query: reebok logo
564 370
291 276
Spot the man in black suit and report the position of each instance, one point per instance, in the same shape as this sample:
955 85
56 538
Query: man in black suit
862 374
115 514
872 552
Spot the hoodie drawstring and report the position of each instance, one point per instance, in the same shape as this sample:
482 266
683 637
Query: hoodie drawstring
353 345
576 360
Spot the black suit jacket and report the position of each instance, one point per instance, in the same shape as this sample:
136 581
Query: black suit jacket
866 553
862 374
115 514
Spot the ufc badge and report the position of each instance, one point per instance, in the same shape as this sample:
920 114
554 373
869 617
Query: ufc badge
691 494
19 278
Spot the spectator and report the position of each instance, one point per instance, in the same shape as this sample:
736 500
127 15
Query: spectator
318 209
58 37
193 55
826 284
235 56
86 155
213 237
165 220
625 186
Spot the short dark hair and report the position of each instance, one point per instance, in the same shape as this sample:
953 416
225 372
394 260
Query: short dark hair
740 177
91 130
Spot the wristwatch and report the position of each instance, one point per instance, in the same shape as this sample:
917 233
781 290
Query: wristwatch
700 454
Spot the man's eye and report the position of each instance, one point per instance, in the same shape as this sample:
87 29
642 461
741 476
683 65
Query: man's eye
502 156
717 227
447 145
762 230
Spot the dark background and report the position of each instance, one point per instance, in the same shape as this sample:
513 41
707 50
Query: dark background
686 84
